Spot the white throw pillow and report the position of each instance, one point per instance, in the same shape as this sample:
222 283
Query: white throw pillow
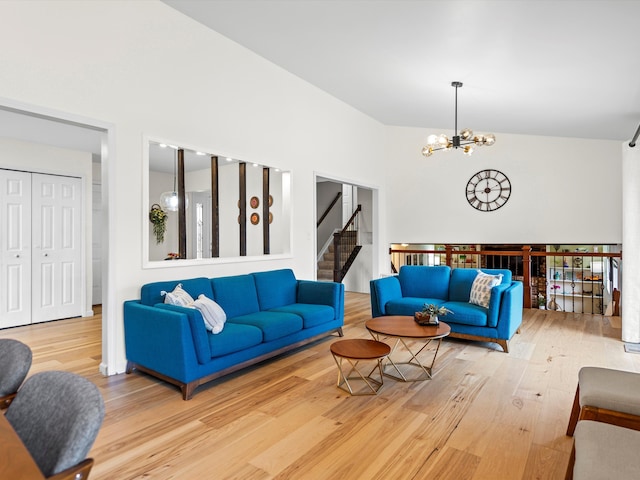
212 313
481 288
178 297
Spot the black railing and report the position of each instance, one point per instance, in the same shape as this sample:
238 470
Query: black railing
346 247
331 205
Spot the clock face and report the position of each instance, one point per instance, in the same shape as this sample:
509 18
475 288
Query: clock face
488 190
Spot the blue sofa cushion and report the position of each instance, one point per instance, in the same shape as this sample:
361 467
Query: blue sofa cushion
466 314
462 280
312 315
150 294
275 288
408 305
425 282
234 338
274 325
236 295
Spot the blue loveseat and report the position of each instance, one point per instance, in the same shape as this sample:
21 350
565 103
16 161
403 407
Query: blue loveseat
407 292
268 313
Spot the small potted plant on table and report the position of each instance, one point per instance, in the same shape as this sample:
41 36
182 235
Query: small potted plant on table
430 313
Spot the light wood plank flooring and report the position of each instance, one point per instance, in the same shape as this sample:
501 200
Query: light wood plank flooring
485 414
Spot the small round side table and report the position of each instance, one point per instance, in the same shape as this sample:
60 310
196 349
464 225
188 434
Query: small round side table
354 351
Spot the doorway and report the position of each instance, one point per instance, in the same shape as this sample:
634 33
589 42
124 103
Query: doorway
351 195
40 125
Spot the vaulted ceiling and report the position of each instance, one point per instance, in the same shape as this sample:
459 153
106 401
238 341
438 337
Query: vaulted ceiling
559 68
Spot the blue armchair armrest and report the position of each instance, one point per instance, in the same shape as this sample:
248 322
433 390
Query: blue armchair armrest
383 290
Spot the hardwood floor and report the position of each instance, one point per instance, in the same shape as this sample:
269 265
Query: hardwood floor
484 415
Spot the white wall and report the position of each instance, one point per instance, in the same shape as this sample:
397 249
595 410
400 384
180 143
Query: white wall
148 70
564 191
32 157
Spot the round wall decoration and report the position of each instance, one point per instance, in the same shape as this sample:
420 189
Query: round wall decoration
255 219
254 202
488 190
270 200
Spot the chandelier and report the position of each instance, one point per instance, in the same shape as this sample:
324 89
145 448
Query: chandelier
465 140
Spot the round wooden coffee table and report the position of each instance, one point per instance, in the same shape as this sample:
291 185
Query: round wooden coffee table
402 328
354 351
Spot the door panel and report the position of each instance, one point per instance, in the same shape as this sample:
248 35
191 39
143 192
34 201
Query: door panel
15 248
57 253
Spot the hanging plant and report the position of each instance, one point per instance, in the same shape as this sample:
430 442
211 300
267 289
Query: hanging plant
158 217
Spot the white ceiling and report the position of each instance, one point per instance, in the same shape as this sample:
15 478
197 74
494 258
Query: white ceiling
544 67
559 67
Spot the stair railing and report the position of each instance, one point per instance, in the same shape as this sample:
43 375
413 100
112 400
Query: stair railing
331 205
346 247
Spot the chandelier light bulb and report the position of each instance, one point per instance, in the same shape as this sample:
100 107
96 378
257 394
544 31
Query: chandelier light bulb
427 151
432 140
489 139
467 150
443 140
466 134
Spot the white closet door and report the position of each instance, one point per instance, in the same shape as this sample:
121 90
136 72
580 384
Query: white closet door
57 252
15 248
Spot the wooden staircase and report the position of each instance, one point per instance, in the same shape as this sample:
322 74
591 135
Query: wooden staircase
327 265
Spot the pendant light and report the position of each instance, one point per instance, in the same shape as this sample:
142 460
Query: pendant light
169 200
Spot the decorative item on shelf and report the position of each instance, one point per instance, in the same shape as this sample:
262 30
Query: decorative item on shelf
577 262
254 202
556 275
430 313
255 219
541 301
464 139
553 305
158 217
172 256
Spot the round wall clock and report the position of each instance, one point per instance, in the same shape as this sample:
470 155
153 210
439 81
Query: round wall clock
488 190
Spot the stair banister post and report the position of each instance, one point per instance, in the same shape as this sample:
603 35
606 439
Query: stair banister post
336 257
526 274
449 254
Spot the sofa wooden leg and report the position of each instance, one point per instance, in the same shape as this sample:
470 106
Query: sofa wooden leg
340 333
188 389
129 368
504 344
575 413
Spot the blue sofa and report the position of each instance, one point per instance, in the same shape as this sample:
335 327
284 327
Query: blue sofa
268 313
407 292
